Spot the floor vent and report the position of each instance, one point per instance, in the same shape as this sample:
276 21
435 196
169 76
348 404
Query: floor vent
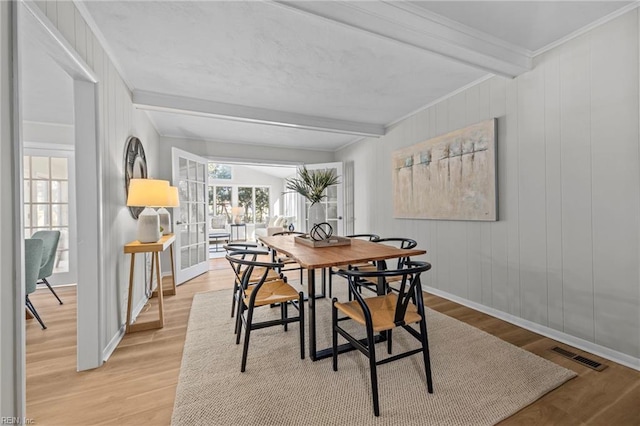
595 365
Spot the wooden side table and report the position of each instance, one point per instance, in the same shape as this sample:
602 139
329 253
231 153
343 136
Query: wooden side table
155 249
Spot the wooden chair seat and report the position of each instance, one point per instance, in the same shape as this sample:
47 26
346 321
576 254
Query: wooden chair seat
382 309
272 292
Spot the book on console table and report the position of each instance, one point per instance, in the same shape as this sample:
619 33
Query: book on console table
329 242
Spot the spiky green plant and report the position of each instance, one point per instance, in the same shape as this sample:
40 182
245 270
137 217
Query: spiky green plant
312 184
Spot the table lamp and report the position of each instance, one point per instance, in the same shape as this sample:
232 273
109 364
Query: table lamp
148 193
165 217
237 213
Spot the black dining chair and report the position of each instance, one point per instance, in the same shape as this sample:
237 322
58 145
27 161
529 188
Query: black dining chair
262 293
398 242
383 314
289 263
332 271
257 272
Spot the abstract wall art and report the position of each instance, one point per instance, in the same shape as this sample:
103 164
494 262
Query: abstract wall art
450 177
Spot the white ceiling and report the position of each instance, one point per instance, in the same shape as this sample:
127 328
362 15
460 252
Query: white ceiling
317 75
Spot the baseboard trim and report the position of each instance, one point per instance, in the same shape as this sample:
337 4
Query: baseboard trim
113 344
576 342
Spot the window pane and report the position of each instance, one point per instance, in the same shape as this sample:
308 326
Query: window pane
40 191
27 216
245 200
59 215
59 191
223 201
27 191
201 175
219 171
184 257
192 170
59 168
26 165
40 167
182 167
210 202
40 215
262 205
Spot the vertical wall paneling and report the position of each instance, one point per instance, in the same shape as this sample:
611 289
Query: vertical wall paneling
577 248
510 145
458 264
484 113
499 250
445 251
431 225
81 35
531 194
614 174
474 236
67 20
51 9
553 191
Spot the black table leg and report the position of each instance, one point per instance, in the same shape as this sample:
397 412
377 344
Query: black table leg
311 290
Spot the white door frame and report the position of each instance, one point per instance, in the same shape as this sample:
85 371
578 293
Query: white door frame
29 20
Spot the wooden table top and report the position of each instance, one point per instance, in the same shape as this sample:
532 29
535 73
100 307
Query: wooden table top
324 257
160 245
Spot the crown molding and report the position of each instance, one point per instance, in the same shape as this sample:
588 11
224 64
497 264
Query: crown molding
411 25
587 28
151 101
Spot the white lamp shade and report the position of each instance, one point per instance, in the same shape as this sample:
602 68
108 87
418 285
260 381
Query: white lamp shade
173 197
147 193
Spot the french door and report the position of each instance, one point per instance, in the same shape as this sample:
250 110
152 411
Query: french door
191 218
334 200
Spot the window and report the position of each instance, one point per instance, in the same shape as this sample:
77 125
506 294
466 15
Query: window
255 201
220 200
220 171
46 201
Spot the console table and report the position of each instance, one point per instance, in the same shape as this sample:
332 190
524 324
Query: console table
155 249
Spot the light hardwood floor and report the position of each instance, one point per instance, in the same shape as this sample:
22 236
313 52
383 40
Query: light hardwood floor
137 385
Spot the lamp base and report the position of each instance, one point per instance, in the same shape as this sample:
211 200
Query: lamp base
165 220
148 226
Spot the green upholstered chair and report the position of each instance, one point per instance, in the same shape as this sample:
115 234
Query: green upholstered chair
50 241
32 262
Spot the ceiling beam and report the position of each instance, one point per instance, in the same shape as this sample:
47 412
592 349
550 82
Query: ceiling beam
182 105
415 26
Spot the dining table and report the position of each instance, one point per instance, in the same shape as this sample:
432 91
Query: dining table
320 258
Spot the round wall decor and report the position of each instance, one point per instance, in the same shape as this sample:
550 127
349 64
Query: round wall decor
135 167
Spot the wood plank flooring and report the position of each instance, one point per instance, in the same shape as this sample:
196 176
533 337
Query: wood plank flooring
137 385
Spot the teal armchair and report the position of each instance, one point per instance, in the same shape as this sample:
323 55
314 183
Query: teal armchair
32 262
50 241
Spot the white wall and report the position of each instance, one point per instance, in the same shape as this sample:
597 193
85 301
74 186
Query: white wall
565 251
117 121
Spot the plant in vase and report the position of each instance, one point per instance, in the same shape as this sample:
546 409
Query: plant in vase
312 186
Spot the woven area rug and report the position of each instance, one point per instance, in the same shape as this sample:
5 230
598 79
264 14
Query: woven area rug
478 378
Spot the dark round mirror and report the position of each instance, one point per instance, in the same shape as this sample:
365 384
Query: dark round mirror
135 167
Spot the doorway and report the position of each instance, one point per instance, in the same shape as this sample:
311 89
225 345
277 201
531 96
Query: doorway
33 29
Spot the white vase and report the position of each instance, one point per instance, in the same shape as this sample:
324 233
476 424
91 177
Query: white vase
316 214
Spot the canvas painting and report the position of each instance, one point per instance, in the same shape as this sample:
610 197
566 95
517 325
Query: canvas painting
450 177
